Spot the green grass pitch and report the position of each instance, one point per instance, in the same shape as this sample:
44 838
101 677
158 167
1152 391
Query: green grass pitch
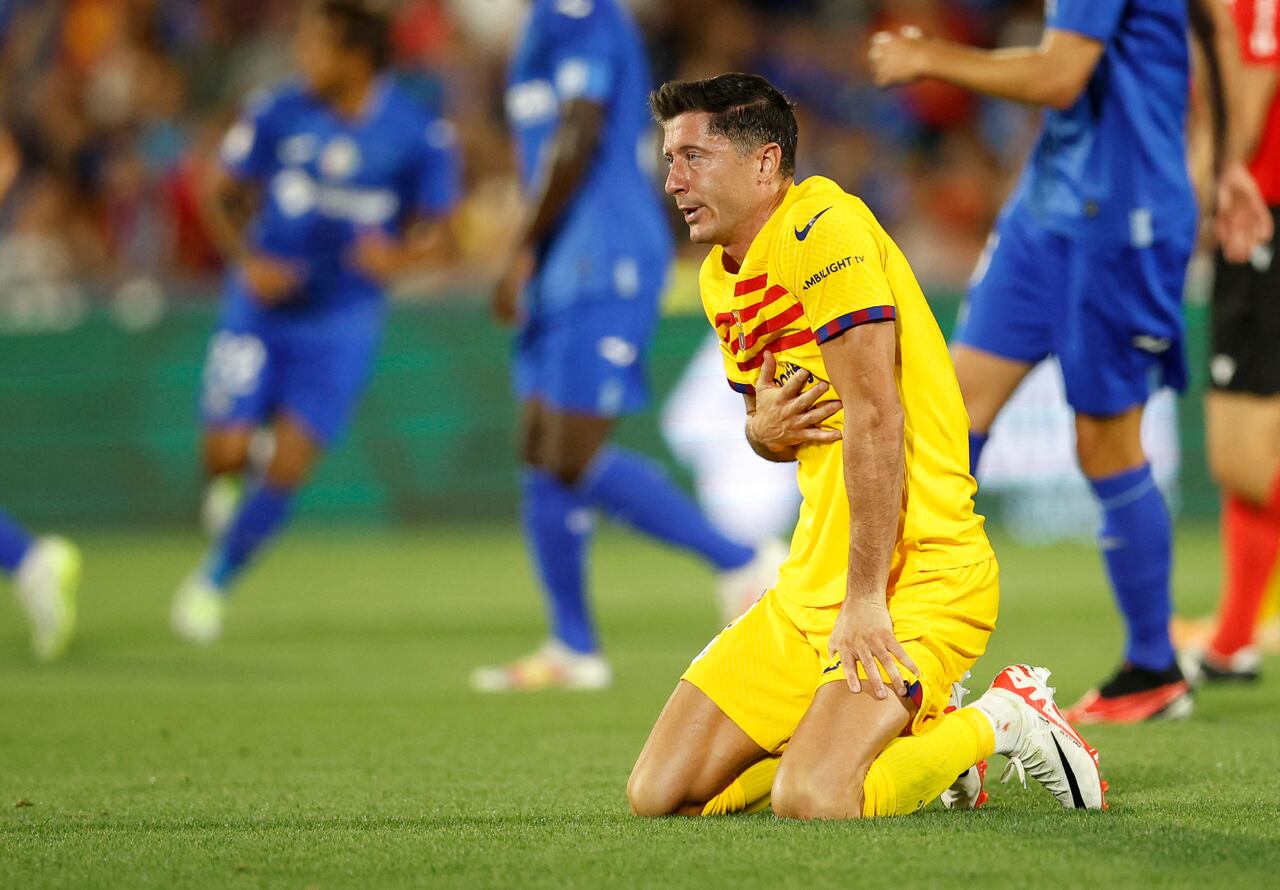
330 739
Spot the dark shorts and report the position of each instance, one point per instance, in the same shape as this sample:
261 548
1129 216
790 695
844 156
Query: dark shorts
1246 323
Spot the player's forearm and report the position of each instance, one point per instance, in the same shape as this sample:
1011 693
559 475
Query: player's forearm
1257 90
873 471
1214 30
1024 74
572 150
227 237
225 210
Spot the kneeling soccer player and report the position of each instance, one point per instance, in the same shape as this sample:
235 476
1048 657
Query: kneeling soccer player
829 697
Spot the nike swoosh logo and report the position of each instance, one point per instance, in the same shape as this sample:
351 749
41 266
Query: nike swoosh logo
801 234
1076 797
836 666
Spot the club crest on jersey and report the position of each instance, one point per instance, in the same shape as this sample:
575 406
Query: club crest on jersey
340 159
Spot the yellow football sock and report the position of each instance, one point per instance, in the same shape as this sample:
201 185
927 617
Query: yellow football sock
914 770
749 793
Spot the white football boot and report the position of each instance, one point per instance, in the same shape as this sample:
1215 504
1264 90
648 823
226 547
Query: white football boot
221 498
738 589
1200 666
1032 732
966 792
46 583
197 612
552 666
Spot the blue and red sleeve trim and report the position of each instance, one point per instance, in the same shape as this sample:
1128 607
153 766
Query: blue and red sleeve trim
915 692
838 326
745 388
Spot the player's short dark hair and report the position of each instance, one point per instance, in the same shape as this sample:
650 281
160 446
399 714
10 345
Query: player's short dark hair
360 27
745 108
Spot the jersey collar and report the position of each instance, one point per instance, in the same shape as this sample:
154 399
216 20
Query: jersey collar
759 248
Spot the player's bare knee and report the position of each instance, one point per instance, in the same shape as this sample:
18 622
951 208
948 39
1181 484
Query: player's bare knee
792 801
283 474
652 795
568 457
566 467
225 453
1100 459
532 440
1107 447
217 462
529 451
290 467
1225 470
812 796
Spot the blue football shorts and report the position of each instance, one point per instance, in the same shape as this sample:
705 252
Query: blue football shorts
1109 311
314 366
588 358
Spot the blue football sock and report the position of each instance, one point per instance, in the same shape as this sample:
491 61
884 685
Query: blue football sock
15 541
557 524
639 492
977 441
259 517
1136 542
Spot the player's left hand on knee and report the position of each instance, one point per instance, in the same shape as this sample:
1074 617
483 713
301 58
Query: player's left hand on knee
863 634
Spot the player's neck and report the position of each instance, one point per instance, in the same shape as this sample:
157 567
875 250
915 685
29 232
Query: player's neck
352 98
736 249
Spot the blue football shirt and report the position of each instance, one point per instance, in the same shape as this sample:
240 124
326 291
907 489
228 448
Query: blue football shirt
327 179
1113 166
612 241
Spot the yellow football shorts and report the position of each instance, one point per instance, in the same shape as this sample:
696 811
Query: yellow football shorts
764 668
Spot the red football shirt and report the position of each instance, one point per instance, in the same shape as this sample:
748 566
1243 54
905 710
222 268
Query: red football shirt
1259 24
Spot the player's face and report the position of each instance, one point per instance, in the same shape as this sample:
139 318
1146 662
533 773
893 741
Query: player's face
714 185
319 54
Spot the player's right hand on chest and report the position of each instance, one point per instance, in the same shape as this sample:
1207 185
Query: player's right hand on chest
788 415
270 280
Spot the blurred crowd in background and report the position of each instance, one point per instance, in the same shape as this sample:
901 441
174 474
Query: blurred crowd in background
112 110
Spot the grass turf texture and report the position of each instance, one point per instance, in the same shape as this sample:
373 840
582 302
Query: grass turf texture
330 739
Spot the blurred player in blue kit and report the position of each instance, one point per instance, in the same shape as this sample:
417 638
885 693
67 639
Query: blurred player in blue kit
46 574
328 188
583 284
45 571
1087 263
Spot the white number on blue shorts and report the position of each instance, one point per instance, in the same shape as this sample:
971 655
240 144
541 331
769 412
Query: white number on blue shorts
232 369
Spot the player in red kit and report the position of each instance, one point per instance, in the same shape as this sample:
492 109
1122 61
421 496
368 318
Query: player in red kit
1243 408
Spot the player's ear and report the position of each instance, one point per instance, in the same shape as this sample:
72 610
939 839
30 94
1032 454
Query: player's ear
770 160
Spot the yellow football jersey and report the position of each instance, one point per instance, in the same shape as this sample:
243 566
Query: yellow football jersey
821 265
